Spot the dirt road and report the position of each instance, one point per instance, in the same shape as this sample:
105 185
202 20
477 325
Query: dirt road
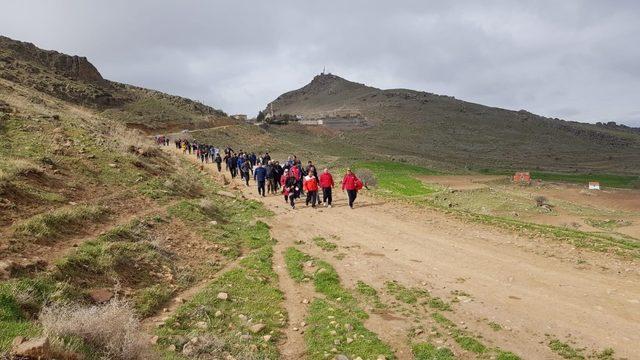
531 287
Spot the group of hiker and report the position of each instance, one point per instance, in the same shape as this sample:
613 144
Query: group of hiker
290 178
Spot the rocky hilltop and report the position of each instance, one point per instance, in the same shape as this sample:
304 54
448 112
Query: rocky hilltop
423 127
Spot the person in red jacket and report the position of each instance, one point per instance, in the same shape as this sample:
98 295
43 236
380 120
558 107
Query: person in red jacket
326 183
351 184
310 185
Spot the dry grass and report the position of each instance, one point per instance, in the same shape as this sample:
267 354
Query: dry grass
13 168
113 328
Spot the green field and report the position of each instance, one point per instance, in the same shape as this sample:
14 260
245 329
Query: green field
606 180
398 179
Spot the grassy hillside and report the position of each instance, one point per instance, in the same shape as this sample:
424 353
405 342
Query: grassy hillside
76 80
428 129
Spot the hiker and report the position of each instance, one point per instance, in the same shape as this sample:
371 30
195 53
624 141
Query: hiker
292 189
233 165
266 158
245 169
277 173
310 168
184 147
271 178
218 161
351 184
260 175
326 183
311 187
283 182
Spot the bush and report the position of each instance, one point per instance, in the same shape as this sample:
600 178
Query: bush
367 177
541 200
111 329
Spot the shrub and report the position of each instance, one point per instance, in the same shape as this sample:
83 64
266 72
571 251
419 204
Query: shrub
111 329
367 176
541 200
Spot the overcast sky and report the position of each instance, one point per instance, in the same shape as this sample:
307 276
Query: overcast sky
578 60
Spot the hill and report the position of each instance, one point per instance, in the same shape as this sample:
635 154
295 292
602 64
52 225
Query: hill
76 80
439 130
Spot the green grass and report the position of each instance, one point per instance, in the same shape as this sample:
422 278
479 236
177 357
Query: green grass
366 289
470 344
404 294
426 351
622 245
149 300
565 350
324 244
328 323
55 223
606 180
609 224
398 179
253 293
294 260
438 304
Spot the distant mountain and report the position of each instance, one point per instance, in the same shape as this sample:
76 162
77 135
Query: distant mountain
75 79
427 128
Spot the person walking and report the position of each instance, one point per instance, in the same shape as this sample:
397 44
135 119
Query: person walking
271 178
292 189
260 176
351 184
311 187
245 169
218 161
327 184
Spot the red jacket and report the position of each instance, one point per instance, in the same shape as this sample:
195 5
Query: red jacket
296 172
310 183
326 180
349 182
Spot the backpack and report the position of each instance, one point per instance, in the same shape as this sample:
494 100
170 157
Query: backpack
359 184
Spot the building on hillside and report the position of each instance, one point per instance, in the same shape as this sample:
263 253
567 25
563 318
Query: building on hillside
594 185
522 177
241 117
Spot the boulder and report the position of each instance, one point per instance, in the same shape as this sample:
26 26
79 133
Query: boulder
257 328
223 296
37 348
100 295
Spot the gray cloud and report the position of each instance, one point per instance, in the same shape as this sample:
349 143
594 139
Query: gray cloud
574 59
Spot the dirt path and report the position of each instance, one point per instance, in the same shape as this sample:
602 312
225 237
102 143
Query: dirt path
529 286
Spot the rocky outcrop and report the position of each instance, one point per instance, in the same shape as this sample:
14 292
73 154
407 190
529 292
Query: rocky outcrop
73 67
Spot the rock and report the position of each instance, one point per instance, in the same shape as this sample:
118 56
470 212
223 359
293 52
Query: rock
38 348
223 296
100 295
348 327
309 264
295 329
17 341
226 194
303 324
257 328
341 357
154 339
245 337
349 340
213 222
5 269
381 357
201 325
112 165
242 317
266 337
171 347
218 313
418 331
305 301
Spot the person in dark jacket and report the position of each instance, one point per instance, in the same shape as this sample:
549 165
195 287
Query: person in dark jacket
292 189
277 173
218 161
271 178
260 176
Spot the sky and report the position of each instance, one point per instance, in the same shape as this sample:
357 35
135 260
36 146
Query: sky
571 59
